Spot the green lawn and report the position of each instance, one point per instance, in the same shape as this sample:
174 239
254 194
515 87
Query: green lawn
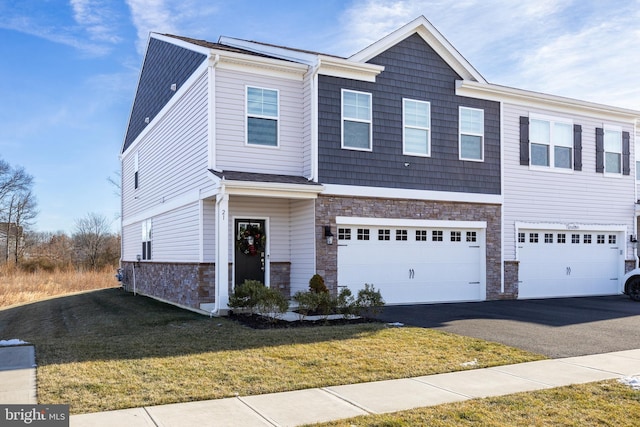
108 349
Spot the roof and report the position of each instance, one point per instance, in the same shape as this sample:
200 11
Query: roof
262 177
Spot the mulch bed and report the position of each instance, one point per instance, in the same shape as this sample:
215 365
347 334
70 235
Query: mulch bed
256 321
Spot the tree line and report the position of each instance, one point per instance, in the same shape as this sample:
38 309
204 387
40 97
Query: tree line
91 245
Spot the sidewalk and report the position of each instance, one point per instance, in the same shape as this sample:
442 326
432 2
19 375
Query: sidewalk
331 403
17 385
17 374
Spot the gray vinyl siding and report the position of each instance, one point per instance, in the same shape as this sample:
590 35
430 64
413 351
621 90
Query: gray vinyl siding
165 64
581 197
232 152
412 70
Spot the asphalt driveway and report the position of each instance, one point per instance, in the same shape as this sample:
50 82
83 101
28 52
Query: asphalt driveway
553 327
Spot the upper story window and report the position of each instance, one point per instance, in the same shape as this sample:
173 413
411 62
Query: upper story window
471 134
416 119
356 120
638 159
551 143
612 151
262 116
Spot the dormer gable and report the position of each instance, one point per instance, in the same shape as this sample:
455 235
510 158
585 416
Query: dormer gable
433 38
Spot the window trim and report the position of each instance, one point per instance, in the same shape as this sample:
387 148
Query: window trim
343 119
136 175
460 133
618 129
570 144
248 115
146 239
405 127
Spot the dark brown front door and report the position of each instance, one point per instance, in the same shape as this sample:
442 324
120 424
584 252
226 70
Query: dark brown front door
250 247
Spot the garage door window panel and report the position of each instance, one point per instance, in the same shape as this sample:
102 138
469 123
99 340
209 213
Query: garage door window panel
344 234
575 238
401 235
384 234
363 234
421 235
562 238
436 236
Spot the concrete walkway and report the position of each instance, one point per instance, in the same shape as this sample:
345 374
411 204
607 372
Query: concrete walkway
18 374
332 403
17 385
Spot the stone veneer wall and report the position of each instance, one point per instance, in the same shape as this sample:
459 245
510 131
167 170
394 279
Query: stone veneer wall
629 265
329 207
281 277
186 284
511 281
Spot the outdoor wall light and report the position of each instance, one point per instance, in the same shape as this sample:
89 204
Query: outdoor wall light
138 258
633 239
328 234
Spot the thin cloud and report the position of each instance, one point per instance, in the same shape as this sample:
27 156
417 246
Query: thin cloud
187 17
96 18
575 49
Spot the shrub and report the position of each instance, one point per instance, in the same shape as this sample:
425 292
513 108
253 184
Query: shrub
369 301
345 303
255 297
247 295
307 303
272 303
316 284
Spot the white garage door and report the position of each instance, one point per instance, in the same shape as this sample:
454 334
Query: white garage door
569 263
413 264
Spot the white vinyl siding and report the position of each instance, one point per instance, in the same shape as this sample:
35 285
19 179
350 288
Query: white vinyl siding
232 153
302 253
131 242
176 235
209 230
173 156
471 138
534 196
356 120
416 119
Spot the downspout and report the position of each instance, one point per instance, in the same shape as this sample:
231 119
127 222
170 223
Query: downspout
218 284
314 121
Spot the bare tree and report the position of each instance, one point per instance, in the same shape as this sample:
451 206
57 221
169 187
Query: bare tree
15 185
90 238
24 207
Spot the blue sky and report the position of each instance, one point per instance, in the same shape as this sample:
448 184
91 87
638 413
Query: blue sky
69 68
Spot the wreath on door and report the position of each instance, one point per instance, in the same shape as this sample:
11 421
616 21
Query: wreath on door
251 240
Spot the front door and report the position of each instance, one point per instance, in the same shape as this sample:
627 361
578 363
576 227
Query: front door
250 247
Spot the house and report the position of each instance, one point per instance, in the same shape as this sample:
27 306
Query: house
399 166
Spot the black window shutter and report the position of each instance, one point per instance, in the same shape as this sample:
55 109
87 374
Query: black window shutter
626 154
577 147
524 141
599 150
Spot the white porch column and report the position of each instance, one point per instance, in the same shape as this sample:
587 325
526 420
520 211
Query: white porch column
222 250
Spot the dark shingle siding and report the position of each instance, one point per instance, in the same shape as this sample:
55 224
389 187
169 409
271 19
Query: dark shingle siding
412 70
164 65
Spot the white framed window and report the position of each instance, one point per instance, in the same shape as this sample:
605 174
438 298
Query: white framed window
356 120
416 124
551 142
471 138
613 150
146 239
638 159
262 116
